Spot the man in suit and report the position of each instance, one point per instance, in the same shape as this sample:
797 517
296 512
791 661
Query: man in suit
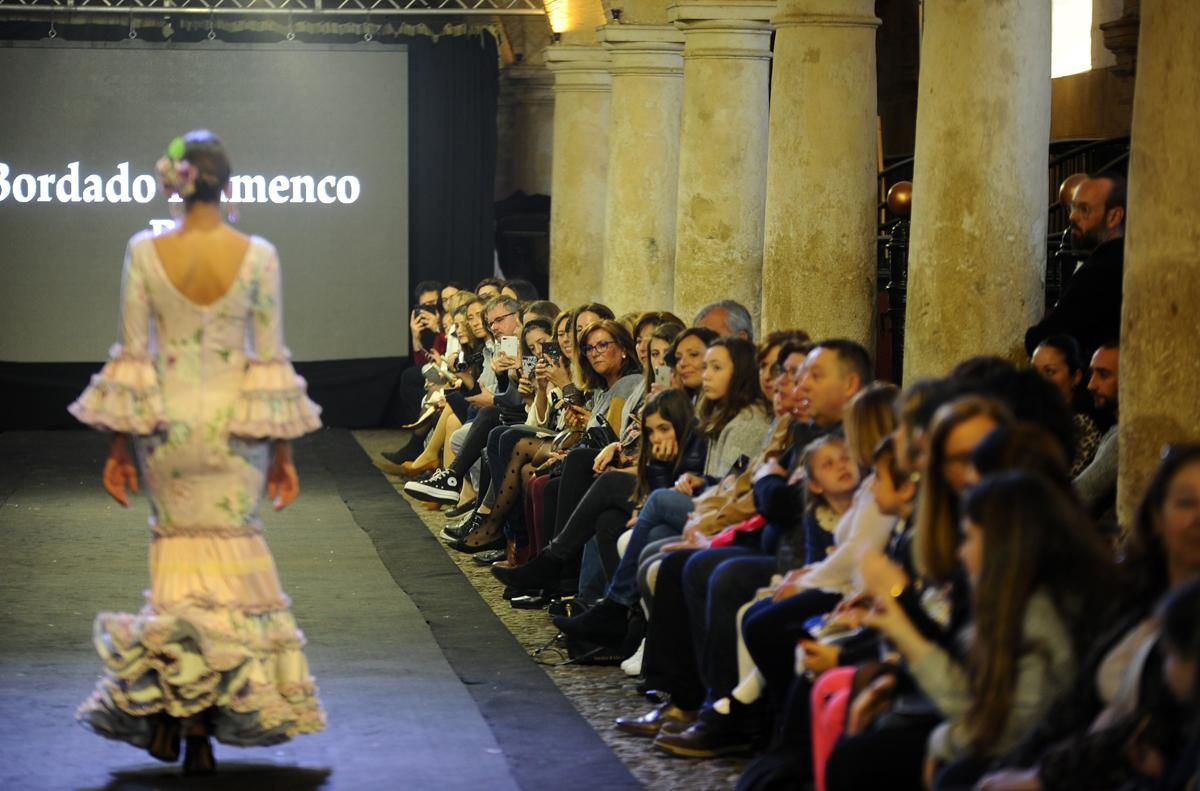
1089 310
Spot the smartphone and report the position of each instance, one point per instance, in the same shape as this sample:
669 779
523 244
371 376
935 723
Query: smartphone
510 345
453 347
528 363
552 351
662 375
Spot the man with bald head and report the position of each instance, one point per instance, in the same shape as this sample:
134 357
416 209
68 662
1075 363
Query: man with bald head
1089 310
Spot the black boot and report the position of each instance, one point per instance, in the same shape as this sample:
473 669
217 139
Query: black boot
605 624
409 452
543 572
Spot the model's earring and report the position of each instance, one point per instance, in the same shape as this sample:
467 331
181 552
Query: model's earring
232 216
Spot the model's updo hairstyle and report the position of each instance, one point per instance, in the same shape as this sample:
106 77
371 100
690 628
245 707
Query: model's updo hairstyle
196 168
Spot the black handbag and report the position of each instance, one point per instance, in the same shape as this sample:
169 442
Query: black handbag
600 435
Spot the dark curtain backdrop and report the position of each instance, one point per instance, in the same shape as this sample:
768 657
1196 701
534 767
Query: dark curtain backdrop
451 158
452 165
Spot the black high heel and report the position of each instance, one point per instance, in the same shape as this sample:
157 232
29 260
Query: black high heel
164 740
199 759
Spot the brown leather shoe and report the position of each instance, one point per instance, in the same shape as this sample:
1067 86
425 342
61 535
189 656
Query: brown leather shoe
704 739
649 725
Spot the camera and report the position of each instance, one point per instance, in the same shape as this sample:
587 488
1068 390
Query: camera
468 361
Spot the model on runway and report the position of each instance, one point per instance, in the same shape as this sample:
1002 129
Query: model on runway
200 391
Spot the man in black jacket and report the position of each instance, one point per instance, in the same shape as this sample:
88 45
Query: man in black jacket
1089 310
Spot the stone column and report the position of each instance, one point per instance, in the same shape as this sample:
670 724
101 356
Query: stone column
525 115
643 166
978 255
722 153
582 89
1160 367
819 255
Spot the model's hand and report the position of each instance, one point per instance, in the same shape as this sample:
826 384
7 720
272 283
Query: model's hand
120 471
283 484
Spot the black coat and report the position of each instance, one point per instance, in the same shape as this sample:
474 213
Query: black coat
1090 308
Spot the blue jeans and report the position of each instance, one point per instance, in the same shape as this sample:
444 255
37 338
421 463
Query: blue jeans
591 574
664 515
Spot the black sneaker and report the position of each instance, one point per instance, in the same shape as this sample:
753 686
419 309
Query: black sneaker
443 486
458 530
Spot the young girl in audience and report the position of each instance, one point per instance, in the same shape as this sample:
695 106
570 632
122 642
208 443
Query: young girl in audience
1082 744
670 446
1037 572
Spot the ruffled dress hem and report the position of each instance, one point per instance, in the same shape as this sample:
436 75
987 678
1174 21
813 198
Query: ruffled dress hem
248 671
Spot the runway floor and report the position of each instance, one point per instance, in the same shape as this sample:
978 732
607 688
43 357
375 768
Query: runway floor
424 687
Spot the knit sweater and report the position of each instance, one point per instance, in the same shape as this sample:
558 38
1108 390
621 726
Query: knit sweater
1046 667
742 436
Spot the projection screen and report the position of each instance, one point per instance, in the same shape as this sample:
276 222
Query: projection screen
317 133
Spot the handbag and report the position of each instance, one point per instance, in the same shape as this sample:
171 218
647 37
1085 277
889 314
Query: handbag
600 435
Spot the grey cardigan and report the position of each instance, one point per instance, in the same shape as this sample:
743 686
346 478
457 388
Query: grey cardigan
742 436
1046 668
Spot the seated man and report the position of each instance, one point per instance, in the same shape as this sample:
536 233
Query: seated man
1097 484
726 318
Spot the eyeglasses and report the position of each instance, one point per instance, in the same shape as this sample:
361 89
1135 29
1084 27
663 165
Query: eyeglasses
499 319
600 347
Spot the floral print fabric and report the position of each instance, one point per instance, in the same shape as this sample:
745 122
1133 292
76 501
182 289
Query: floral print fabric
203 389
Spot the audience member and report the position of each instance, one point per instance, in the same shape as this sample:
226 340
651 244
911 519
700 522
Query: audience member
1097 482
489 288
521 290
1058 360
1089 309
727 318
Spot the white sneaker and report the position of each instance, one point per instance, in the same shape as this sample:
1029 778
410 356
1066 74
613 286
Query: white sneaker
633 665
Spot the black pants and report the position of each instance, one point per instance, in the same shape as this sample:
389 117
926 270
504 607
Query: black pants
577 477
891 757
477 437
691 641
771 630
412 390
603 512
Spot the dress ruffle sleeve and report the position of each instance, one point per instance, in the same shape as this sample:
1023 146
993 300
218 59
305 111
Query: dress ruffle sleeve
273 403
125 396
